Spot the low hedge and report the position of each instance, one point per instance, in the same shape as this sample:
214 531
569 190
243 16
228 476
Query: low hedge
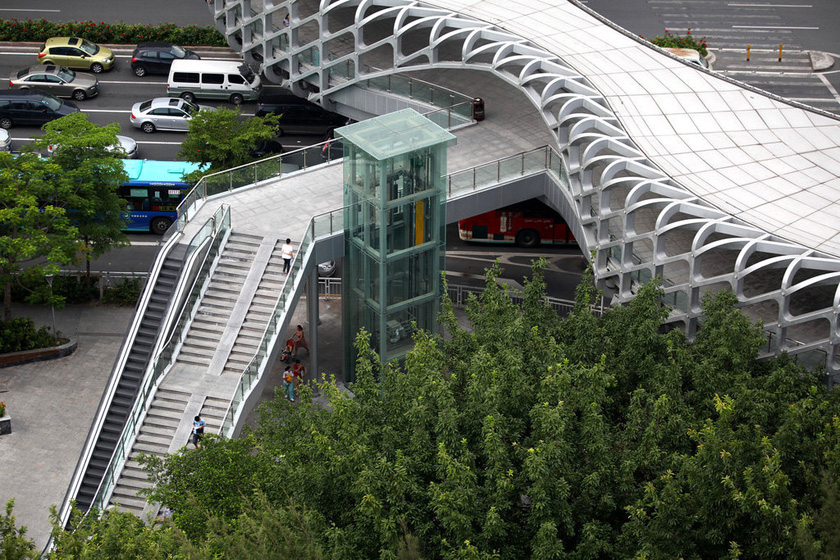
39 30
19 334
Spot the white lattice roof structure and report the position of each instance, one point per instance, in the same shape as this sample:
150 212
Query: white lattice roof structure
671 170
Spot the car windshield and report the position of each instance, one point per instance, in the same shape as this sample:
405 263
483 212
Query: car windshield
190 109
51 101
66 74
247 73
145 105
178 52
22 73
89 47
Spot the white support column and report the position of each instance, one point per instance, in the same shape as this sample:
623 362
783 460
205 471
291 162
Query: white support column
312 314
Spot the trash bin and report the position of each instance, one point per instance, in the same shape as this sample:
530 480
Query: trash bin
478 109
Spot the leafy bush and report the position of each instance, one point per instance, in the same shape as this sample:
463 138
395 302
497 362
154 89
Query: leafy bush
20 334
687 41
125 292
114 33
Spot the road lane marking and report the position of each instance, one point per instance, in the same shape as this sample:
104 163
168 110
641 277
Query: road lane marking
771 27
771 5
28 10
830 87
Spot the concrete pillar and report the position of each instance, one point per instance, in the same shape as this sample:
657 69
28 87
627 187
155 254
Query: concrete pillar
312 314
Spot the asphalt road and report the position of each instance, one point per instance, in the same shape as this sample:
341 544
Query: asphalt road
180 12
730 25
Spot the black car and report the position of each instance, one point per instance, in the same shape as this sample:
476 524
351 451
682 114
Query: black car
30 107
156 58
300 116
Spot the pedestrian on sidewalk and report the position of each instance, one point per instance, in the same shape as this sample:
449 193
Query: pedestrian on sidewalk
299 340
298 372
288 383
287 253
198 430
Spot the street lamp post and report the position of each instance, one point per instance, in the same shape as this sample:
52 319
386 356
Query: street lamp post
52 306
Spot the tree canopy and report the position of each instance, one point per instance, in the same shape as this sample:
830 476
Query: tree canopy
91 174
221 139
528 436
36 234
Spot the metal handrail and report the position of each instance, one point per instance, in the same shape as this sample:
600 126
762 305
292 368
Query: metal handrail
212 232
320 225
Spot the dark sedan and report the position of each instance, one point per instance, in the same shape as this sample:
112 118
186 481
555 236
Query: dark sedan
156 58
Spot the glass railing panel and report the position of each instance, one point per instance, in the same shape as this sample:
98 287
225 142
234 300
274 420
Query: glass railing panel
534 162
509 168
486 175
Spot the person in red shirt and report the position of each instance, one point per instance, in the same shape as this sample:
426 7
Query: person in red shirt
299 372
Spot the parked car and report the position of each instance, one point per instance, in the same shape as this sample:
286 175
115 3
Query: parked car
227 80
164 113
156 58
5 140
57 80
124 148
299 116
75 52
31 107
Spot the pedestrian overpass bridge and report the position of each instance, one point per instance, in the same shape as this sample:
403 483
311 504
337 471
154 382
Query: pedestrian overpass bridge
661 169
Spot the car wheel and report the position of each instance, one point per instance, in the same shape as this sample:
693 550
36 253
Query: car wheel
139 71
236 99
160 225
527 238
96 68
188 97
79 95
147 127
6 123
280 131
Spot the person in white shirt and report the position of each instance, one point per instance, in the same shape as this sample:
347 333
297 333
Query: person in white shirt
287 253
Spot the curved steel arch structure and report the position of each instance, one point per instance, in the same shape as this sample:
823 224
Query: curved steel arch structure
644 207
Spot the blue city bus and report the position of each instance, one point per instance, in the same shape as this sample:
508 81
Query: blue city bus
153 192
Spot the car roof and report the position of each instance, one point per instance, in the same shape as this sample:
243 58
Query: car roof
57 41
166 102
43 69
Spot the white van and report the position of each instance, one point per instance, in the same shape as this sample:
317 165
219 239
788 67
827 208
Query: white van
227 80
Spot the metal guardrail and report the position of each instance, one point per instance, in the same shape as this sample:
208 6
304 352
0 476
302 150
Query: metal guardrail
319 226
212 233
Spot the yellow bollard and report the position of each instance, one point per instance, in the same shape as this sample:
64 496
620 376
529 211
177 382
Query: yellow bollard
748 53
780 52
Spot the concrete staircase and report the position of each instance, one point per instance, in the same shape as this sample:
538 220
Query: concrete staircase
155 438
258 315
213 412
217 304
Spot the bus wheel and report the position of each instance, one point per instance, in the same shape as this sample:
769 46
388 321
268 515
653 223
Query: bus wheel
160 225
527 238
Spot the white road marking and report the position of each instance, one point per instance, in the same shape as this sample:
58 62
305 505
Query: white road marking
771 5
830 87
770 27
27 10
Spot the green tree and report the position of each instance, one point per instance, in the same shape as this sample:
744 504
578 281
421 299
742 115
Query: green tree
36 234
222 139
14 545
91 176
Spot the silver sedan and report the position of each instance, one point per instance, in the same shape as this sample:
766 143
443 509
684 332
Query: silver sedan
164 113
57 80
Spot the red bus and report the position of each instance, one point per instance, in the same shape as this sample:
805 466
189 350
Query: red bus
527 224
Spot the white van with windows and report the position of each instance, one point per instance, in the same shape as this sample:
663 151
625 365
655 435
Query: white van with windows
227 80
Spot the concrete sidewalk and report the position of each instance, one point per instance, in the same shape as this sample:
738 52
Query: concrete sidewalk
52 404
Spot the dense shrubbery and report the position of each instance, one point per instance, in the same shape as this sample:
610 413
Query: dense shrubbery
125 292
115 33
19 334
687 41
